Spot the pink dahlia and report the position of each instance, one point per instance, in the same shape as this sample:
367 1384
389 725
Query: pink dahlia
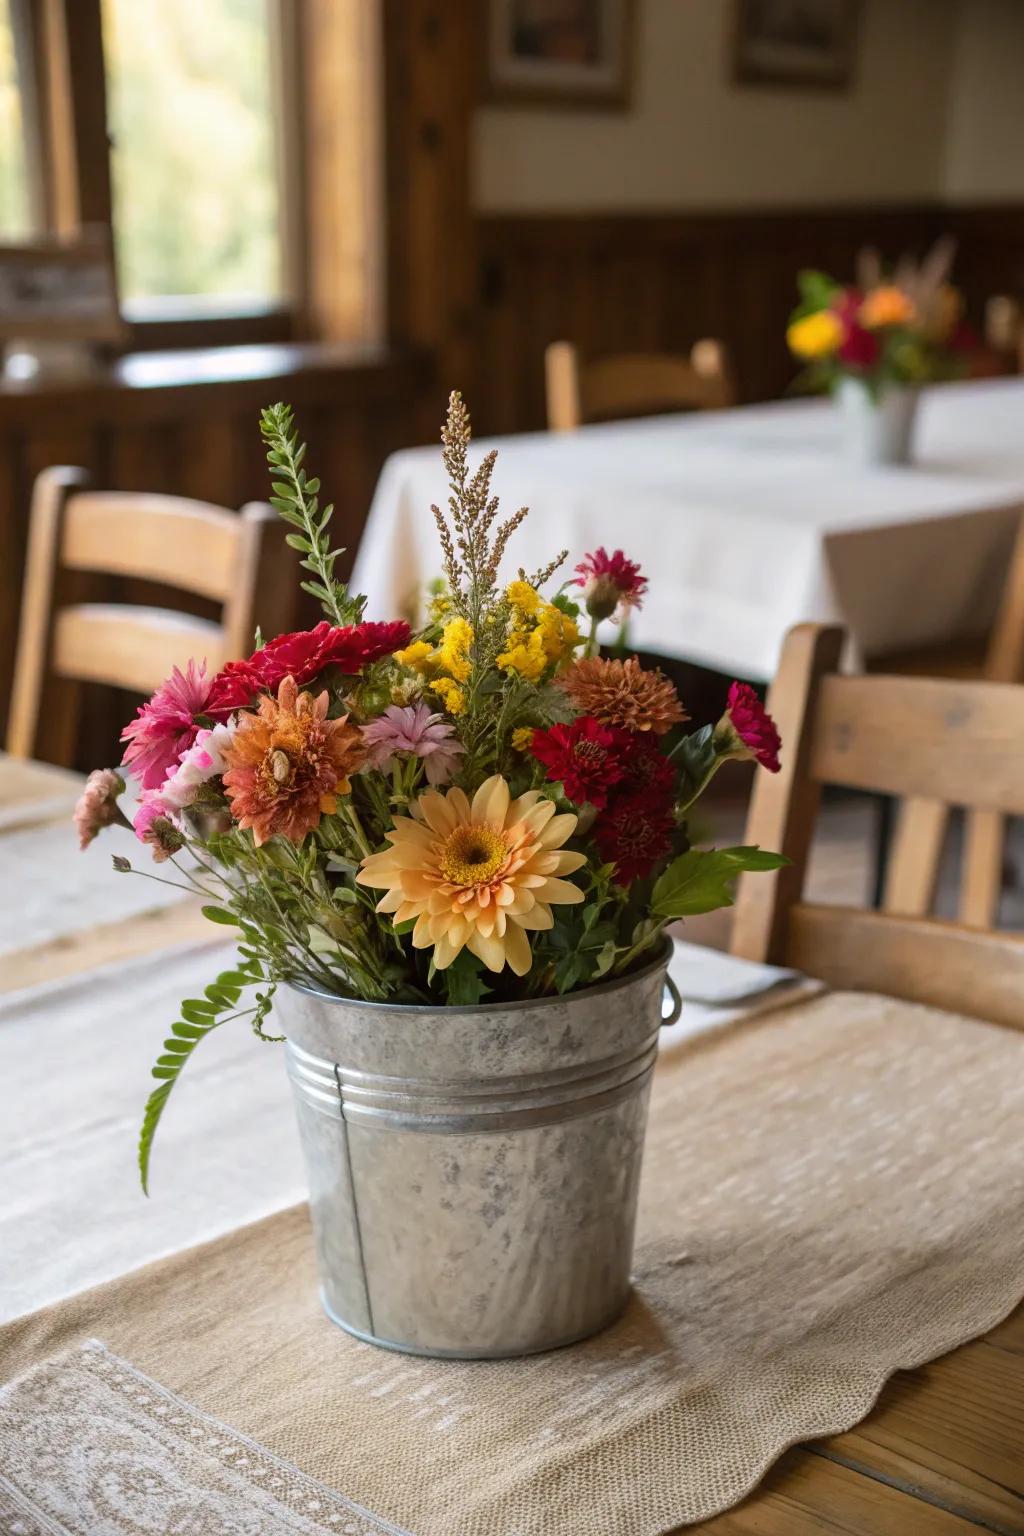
747 729
609 582
413 728
97 804
166 726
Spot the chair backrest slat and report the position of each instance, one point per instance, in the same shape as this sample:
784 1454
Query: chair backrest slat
185 544
238 559
634 384
959 742
932 741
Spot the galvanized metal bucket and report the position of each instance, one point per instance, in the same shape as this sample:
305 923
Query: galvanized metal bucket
473 1172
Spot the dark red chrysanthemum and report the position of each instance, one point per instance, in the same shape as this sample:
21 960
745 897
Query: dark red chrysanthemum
586 756
647 769
754 725
635 833
303 654
609 581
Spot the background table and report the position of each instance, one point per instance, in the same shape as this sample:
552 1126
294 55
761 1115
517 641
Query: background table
747 522
939 1456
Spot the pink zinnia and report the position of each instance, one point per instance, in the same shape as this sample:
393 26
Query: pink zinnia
166 726
748 730
609 582
586 756
412 728
97 805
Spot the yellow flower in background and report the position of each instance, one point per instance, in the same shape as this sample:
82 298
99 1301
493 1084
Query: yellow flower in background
524 598
522 738
453 655
419 656
886 306
477 875
815 335
525 657
451 695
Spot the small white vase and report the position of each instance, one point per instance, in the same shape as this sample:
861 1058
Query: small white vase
876 429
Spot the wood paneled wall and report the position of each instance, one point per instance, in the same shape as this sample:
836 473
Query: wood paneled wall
657 282
188 423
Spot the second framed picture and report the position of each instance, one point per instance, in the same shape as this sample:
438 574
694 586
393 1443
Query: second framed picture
564 53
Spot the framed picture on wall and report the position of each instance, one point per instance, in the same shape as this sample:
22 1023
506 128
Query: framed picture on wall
562 53
796 42
53 290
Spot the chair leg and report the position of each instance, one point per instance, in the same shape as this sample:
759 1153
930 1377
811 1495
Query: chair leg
982 879
915 857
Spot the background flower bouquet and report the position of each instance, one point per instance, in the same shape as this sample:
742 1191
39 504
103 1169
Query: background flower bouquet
906 329
485 812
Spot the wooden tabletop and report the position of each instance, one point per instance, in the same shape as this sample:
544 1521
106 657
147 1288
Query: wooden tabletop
942 1454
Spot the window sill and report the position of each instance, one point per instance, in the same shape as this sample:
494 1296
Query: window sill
153 325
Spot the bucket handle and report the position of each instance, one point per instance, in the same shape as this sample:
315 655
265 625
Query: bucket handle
676 1002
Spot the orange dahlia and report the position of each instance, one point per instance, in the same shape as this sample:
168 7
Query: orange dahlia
623 693
476 875
288 764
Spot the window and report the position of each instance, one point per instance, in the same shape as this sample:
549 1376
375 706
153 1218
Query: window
15 205
191 108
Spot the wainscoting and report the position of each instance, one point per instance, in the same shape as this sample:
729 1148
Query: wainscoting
188 423
658 281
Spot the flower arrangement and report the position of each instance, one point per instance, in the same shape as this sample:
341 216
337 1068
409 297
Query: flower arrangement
904 329
488 809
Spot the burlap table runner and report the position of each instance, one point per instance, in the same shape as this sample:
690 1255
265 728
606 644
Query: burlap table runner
831 1193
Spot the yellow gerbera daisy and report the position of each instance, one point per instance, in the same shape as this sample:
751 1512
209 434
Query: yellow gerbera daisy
476 876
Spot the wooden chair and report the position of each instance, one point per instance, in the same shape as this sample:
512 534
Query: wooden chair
960 743
923 823
633 384
197 548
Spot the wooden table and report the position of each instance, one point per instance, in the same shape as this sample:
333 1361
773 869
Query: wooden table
942 1453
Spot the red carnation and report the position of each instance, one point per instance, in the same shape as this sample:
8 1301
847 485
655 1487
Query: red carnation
305 652
859 348
635 833
609 582
586 756
747 729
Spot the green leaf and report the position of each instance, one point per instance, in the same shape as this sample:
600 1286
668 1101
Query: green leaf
464 981
701 880
220 915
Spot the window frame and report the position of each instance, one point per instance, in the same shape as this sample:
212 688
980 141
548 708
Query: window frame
68 149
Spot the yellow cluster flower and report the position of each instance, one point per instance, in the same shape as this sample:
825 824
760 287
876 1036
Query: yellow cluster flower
451 695
815 335
419 656
532 648
453 655
522 738
524 598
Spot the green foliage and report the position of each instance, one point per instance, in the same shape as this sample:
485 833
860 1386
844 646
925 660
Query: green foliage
295 497
696 756
464 981
816 289
700 880
199 1017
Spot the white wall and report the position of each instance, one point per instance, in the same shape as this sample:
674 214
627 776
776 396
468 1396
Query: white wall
693 139
985 134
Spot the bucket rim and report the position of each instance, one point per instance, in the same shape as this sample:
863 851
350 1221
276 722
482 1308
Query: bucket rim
660 960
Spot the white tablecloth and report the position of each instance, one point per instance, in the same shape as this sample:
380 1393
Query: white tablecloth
747 522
